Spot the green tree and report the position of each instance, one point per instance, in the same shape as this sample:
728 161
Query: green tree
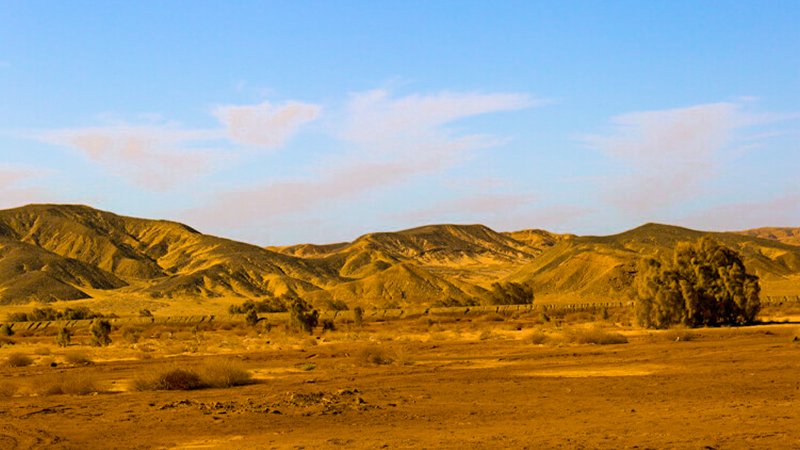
510 293
302 316
101 331
704 284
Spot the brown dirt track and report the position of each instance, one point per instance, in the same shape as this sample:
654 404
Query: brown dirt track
726 388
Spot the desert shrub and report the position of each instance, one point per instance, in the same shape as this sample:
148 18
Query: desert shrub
538 337
18 317
679 336
510 293
6 330
132 334
307 367
594 335
302 316
375 355
328 325
50 314
101 333
268 305
251 318
78 358
358 316
145 313
64 337
18 360
173 379
69 382
8 388
704 284
224 374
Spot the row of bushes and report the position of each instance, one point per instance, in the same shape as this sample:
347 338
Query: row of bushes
49 314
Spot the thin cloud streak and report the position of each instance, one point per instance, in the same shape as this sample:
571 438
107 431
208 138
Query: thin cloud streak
264 125
158 157
668 153
781 210
153 157
14 189
389 140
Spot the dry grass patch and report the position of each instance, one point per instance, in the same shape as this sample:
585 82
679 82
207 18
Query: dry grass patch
375 355
8 389
78 358
224 374
65 383
213 374
18 360
593 335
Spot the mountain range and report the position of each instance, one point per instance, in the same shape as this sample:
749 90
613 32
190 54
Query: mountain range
68 252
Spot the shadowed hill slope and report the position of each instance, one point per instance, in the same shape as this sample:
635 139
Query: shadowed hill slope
598 267
168 259
785 235
61 252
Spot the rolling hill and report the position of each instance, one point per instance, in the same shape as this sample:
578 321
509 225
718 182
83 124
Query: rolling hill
69 252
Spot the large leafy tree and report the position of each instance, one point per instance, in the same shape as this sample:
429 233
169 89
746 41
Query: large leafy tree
704 284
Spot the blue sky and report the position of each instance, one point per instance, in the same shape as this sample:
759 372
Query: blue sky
287 122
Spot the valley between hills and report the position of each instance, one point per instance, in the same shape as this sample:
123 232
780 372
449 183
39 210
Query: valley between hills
73 253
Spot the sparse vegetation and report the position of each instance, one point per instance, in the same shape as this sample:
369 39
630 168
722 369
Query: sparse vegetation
51 314
593 335
510 293
704 284
214 374
70 382
64 337
358 316
18 360
303 317
6 330
101 333
78 358
224 374
375 355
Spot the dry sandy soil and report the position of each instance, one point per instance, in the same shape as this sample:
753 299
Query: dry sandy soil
482 384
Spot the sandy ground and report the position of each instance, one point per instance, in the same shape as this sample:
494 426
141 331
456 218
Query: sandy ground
724 388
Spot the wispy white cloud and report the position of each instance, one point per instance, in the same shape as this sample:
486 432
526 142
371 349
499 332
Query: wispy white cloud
15 186
486 206
389 141
264 125
155 157
668 154
159 155
780 210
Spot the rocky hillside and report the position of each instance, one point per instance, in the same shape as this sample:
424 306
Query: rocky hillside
68 252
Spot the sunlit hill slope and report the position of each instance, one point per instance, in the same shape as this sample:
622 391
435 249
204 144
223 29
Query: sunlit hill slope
69 252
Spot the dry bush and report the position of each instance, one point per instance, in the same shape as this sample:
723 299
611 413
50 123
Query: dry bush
69 382
679 335
214 374
539 337
169 379
594 335
224 374
18 360
374 355
78 358
131 333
